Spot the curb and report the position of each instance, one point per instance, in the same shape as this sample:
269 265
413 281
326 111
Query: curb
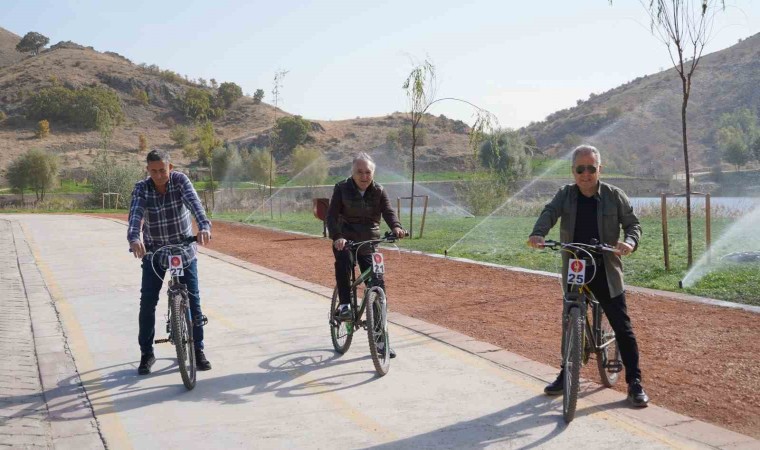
73 426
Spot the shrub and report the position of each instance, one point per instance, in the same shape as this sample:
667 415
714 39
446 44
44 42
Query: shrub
43 129
76 107
142 143
109 176
180 134
258 96
141 96
3 116
309 166
228 93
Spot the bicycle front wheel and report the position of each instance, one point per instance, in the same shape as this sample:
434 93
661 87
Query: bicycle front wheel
341 332
182 330
608 358
572 359
377 329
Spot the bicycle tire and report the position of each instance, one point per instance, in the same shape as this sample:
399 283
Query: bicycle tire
182 330
573 360
610 353
341 333
377 329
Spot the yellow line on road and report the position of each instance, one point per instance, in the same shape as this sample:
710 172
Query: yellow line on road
110 425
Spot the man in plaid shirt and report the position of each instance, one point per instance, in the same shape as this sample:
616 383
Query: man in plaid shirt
162 204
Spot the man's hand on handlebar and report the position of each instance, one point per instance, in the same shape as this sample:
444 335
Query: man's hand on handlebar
623 249
138 249
536 241
400 232
204 236
339 244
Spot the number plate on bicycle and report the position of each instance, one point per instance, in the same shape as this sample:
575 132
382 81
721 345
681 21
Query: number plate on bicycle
378 263
576 271
175 266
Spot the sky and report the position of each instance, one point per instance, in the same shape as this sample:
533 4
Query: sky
345 59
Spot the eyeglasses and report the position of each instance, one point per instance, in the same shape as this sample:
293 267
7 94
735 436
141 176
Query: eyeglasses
580 169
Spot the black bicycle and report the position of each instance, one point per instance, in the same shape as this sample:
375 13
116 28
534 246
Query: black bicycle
373 300
179 320
583 336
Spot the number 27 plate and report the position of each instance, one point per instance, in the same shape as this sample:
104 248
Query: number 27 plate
378 263
576 271
175 266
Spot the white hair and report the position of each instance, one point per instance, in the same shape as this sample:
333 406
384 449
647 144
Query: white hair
363 157
586 149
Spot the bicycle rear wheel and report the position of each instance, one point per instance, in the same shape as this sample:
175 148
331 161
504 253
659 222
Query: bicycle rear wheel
572 358
377 329
182 330
608 359
342 333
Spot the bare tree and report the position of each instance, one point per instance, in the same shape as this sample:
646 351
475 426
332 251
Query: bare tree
420 87
685 27
278 76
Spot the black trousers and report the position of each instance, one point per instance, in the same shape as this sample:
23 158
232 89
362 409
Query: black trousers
343 270
617 313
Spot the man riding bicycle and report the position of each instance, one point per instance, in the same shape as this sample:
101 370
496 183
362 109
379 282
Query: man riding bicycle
592 211
354 214
162 203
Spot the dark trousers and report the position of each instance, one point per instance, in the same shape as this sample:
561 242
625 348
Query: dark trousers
343 270
617 313
150 292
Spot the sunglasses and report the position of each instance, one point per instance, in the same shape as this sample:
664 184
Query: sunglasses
580 169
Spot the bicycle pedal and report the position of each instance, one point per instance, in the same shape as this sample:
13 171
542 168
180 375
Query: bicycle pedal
201 322
614 367
161 341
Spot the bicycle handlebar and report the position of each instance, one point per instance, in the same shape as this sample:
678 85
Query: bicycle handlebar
595 246
388 237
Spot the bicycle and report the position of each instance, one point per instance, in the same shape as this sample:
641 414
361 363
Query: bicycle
580 336
373 300
179 323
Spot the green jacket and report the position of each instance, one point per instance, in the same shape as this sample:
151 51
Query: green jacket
614 213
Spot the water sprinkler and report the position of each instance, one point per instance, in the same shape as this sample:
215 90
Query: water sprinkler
446 253
680 284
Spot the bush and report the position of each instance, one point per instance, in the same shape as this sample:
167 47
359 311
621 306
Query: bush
141 96
228 93
3 116
309 166
76 107
109 176
142 143
180 134
256 165
199 105
291 131
258 96
43 129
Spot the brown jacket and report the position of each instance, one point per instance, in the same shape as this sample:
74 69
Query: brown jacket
614 214
356 218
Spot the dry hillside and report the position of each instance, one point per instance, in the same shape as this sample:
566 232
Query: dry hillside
636 124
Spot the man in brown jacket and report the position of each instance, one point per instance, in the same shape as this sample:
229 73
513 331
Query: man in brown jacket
591 210
355 210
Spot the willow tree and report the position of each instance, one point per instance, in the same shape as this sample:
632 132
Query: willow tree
684 27
420 87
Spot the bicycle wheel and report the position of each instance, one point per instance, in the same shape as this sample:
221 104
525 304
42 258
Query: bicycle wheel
182 330
377 329
572 356
608 359
341 332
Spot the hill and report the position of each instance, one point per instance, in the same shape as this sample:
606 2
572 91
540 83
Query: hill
637 125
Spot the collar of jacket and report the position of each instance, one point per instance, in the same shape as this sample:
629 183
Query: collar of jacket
574 193
372 186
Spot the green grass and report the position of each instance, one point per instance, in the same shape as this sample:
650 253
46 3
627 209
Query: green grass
502 240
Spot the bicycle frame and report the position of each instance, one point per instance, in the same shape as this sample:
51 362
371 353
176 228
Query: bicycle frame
369 278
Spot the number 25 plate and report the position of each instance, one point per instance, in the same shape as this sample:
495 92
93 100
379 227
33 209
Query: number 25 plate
378 263
576 271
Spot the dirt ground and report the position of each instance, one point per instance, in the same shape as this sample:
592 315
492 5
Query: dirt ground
699 360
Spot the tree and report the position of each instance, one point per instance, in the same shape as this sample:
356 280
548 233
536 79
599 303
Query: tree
42 171
256 165
309 166
180 134
685 28
207 142
228 93
737 153
420 87
278 76
198 105
17 175
32 42
108 176
258 96
290 132
214 84
43 129
509 158
756 148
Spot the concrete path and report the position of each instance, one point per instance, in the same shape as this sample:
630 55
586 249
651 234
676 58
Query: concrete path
276 382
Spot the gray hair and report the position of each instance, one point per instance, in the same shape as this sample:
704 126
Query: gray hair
586 149
363 157
158 155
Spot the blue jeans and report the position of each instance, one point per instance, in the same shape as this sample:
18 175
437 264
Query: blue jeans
150 292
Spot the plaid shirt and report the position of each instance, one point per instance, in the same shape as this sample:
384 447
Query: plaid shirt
165 218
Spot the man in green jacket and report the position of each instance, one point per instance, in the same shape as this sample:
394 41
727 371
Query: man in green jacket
589 211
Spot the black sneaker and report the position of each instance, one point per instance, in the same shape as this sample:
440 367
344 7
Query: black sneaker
381 350
200 360
344 313
636 395
558 386
146 362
